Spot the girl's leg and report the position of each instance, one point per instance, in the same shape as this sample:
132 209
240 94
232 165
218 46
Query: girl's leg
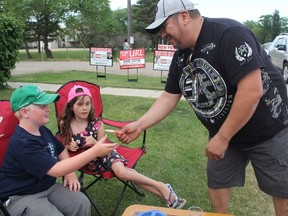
158 188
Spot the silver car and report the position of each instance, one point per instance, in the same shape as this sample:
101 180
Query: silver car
266 46
278 54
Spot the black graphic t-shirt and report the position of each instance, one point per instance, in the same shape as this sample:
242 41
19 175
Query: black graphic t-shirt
224 53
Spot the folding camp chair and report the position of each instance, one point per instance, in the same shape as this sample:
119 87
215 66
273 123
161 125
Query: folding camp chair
132 154
7 125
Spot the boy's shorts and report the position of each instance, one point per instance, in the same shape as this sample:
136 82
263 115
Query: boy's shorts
269 160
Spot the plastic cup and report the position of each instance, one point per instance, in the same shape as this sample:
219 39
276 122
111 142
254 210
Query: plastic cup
195 211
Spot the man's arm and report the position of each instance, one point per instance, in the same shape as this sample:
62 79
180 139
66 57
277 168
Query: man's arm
249 92
158 111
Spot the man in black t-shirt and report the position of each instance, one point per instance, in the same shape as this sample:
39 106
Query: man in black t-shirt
235 91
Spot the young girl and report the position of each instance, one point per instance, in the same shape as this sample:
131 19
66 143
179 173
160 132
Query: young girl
79 128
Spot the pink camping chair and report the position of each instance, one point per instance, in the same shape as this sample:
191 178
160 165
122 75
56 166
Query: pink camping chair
8 122
132 154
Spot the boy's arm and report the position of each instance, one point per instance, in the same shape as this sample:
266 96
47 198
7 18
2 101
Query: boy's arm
71 178
68 164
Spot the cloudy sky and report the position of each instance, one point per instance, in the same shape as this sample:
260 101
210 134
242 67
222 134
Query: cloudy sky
240 10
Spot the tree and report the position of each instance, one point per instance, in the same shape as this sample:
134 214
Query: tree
94 17
142 16
10 42
266 28
41 18
47 15
276 24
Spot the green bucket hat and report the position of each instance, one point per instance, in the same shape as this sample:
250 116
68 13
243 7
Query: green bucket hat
31 94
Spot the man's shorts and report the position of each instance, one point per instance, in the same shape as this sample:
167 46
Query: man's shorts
269 160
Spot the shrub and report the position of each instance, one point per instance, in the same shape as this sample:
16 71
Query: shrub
10 41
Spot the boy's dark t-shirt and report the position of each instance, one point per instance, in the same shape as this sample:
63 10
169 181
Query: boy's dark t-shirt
26 162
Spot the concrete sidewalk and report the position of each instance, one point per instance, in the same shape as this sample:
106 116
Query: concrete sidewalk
104 90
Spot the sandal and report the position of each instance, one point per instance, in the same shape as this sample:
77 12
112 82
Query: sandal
177 203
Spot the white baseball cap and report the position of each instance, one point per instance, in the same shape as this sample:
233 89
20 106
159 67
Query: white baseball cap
166 8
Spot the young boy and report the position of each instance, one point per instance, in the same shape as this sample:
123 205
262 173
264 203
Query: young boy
35 158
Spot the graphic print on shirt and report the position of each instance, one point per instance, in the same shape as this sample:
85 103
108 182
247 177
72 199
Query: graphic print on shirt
51 149
273 99
205 90
243 53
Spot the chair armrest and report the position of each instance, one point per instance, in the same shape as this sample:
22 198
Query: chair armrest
113 123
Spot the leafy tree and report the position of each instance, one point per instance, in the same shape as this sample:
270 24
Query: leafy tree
94 18
10 41
41 17
143 15
266 28
48 15
276 24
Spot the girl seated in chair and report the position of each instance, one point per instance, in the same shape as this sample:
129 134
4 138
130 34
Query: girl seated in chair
80 129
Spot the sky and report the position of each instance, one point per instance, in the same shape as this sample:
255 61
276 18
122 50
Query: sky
241 10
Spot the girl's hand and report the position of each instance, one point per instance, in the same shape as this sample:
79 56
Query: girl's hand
90 141
73 145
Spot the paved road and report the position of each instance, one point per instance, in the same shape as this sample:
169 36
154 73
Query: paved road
28 67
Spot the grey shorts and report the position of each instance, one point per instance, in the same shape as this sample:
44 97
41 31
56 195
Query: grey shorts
269 160
56 201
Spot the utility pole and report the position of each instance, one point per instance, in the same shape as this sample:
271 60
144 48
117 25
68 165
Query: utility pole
129 33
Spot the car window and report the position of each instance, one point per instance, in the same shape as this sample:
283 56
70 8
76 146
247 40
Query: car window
280 42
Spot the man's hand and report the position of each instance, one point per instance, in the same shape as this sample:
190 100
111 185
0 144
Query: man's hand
128 133
216 148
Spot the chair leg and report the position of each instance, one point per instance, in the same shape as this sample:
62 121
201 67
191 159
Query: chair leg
92 203
130 185
84 188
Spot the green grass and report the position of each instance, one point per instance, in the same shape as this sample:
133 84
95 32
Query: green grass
175 146
111 80
63 54
175 154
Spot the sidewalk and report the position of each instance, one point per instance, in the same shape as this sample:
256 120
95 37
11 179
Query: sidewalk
104 91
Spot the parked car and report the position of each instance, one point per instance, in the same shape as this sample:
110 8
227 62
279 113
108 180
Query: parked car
266 46
278 54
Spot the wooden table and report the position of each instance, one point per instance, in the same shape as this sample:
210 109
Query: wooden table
134 209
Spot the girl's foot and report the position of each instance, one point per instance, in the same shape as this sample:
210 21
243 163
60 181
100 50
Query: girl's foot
173 201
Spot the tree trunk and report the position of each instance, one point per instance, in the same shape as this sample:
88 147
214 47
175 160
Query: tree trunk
46 49
29 56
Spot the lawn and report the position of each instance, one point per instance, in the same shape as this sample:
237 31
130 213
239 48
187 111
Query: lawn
175 154
70 54
112 80
175 146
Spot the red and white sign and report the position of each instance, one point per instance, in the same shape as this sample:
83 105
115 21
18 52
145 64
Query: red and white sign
130 59
166 47
101 56
162 60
